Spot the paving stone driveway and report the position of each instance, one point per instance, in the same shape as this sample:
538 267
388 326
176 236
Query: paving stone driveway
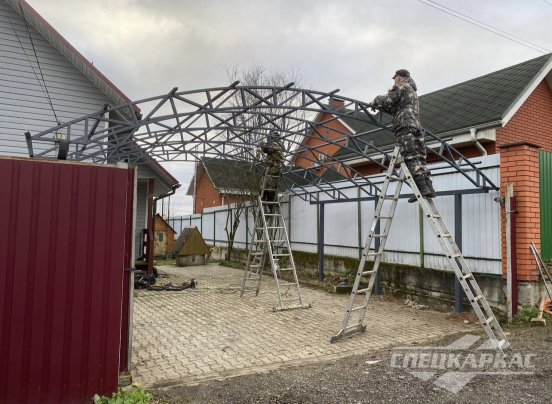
210 332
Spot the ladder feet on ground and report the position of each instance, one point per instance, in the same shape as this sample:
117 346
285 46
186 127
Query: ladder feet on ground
271 242
451 251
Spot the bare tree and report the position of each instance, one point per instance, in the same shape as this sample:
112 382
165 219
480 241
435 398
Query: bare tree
253 132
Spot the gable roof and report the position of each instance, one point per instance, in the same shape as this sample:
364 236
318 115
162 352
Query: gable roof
225 175
199 245
67 50
85 67
492 98
157 215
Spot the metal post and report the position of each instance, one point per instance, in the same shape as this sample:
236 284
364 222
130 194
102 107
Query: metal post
513 212
509 194
377 285
321 243
458 293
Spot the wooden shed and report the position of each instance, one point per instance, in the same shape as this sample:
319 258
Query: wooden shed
163 237
190 248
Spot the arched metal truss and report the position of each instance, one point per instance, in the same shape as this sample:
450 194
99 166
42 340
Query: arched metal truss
226 124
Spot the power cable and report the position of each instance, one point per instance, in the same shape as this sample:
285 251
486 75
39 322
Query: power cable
42 85
38 63
487 27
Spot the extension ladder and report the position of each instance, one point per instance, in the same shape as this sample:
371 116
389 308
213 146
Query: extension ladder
358 301
270 241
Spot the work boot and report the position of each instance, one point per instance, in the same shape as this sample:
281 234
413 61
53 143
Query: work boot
429 184
424 190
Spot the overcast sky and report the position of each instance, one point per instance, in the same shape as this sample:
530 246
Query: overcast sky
147 47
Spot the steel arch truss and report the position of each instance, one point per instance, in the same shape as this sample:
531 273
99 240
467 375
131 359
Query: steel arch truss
226 124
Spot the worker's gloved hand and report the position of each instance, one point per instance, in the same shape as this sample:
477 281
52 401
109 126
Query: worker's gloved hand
372 107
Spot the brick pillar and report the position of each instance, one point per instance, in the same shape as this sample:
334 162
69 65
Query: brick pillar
519 164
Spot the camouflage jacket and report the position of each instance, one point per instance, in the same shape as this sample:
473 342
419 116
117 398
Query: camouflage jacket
274 156
402 102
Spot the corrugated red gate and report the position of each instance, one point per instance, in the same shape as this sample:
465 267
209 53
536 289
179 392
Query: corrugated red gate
62 256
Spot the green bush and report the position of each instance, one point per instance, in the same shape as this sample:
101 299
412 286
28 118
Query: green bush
527 313
135 396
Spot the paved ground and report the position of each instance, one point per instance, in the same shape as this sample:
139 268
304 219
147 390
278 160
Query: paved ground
372 378
211 333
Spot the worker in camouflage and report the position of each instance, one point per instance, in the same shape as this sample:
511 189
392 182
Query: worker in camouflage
402 102
274 161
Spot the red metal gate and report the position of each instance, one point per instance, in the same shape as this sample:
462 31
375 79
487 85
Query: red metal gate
62 253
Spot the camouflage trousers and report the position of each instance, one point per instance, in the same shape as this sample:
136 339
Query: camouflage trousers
411 143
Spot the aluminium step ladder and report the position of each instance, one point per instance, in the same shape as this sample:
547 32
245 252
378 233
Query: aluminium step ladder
358 301
270 241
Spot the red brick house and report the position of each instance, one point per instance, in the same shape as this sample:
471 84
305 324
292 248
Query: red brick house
507 112
217 182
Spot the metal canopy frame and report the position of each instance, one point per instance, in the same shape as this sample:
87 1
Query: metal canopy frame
226 124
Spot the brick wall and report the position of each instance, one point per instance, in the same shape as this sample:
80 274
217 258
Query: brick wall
332 132
532 122
518 142
206 196
519 165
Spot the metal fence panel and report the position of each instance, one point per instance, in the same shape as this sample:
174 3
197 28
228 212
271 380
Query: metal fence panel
545 186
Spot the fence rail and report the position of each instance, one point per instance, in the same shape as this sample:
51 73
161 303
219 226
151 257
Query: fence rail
410 242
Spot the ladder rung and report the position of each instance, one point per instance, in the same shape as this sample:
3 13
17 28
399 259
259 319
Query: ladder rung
501 343
445 235
274 227
489 320
379 235
467 276
385 217
270 203
273 214
390 198
367 273
285 269
254 266
255 278
281 255
455 255
257 253
287 284
373 254
359 291
357 308
436 216
476 298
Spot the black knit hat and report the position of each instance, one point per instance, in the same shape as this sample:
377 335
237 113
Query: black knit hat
402 73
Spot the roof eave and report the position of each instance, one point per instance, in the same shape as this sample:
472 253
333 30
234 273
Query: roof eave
522 97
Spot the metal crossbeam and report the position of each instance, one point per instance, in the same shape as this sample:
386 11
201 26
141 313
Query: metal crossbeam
227 124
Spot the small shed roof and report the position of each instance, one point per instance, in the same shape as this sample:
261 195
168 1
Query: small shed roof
158 216
190 242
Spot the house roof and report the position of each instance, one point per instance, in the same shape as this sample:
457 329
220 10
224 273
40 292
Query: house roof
157 215
197 246
85 66
492 98
67 50
226 175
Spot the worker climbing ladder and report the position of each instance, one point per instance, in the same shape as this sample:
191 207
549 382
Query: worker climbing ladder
358 301
270 241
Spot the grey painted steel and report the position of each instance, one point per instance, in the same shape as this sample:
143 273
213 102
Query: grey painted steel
377 243
141 209
486 317
321 242
229 122
458 238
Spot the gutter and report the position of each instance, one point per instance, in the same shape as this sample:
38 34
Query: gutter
476 142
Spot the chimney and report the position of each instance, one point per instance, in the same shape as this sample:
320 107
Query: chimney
337 103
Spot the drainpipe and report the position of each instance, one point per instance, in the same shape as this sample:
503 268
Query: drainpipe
171 192
476 142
